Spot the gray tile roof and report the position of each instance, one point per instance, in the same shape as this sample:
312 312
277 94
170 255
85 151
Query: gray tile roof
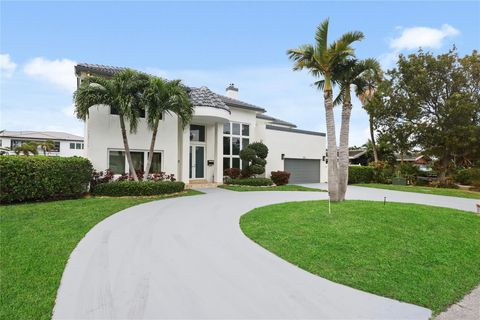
41 135
275 120
208 98
204 97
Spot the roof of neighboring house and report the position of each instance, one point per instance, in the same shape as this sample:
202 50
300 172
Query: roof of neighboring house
40 135
354 154
213 99
313 133
276 121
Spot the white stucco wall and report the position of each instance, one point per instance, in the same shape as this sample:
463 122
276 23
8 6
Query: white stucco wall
102 134
293 145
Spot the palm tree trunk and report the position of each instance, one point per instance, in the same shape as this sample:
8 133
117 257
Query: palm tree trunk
343 149
127 149
332 147
152 146
372 138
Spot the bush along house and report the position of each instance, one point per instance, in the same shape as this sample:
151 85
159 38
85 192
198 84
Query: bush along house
221 127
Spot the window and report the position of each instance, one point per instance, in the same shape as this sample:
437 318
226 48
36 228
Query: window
117 162
72 145
137 160
113 110
57 146
78 146
226 145
0 142
15 143
156 166
197 133
245 130
226 128
236 136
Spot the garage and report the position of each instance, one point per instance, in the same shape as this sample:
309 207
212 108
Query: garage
303 170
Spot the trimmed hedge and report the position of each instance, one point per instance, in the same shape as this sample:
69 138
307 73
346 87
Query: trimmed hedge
250 182
137 188
28 178
361 174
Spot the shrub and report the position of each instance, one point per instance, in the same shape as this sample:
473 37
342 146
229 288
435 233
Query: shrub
360 174
449 184
254 154
422 182
41 178
137 188
467 176
233 173
250 181
280 178
101 177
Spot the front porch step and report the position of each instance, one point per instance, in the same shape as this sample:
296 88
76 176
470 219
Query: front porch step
201 184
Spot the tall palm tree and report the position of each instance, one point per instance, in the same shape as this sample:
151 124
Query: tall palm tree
372 79
124 92
164 97
321 60
350 73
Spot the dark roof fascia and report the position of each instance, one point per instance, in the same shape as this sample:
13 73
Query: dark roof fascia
275 120
240 104
313 133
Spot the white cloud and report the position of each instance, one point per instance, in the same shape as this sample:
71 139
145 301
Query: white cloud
416 37
57 72
7 66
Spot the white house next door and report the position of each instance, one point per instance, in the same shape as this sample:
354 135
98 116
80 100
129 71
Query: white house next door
197 162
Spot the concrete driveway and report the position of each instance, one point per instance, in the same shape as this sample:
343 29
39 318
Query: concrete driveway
187 258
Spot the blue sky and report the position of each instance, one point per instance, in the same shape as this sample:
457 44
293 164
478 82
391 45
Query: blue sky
206 43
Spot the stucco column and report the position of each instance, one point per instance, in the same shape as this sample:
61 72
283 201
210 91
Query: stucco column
219 153
184 156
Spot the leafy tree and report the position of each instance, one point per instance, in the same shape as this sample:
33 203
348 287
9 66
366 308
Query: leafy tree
164 97
321 60
433 102
124 92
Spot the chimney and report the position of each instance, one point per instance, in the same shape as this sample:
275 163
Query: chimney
232 92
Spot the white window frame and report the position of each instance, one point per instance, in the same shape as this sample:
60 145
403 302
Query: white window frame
145 158
231 156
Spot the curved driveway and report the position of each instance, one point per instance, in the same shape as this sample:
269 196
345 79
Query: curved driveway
187 258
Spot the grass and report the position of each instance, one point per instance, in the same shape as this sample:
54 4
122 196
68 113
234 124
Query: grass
428 256
288 187
36 240
427 190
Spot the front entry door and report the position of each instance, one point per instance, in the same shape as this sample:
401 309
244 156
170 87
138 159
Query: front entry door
197 162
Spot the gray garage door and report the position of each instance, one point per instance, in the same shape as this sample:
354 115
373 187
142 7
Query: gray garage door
303 170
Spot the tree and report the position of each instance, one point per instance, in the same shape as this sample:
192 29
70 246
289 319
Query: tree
350 73
47 146
321 59
437 100
164 97
27 148
254 154
371 78
124 92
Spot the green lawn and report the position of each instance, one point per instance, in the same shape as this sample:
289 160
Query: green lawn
427 190
36 240
428 256
288 187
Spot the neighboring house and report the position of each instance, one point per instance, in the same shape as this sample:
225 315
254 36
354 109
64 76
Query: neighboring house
422 162
220 128
356 156
66 144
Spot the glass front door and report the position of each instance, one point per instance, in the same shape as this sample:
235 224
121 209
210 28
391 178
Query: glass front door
197 162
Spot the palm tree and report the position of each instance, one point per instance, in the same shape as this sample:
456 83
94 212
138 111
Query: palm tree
162 97
372 79
348 73
27 148
124 92
321 60
47 146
